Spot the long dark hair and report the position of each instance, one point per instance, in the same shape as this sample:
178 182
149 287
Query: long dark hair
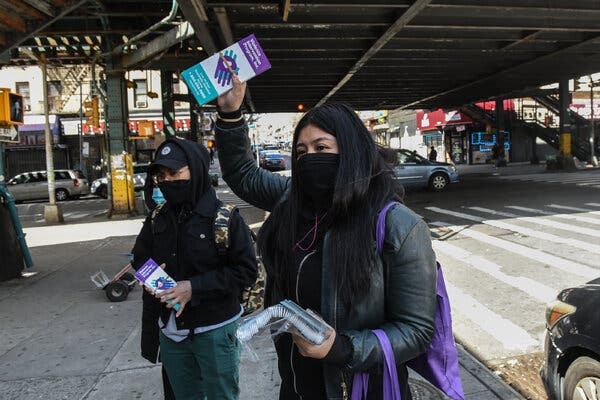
364 184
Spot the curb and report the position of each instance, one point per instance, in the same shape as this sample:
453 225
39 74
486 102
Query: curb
487 378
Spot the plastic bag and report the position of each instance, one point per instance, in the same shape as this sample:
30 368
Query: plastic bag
285 317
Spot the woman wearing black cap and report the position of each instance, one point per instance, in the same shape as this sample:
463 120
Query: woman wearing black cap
318 247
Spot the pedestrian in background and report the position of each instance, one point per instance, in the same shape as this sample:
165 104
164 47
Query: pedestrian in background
198 347
432 154
318 247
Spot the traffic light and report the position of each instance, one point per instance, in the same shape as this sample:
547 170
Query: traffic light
92 111
12 108
210 144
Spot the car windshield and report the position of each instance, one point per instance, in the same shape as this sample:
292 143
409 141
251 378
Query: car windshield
405 156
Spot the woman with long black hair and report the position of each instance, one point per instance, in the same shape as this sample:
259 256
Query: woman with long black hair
318 247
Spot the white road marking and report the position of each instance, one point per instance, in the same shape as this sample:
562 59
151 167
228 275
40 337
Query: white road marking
537 255
505 331
587 210
550 214
593 204
557 225
532 288
592 248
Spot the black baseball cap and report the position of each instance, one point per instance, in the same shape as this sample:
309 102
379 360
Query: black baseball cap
171 156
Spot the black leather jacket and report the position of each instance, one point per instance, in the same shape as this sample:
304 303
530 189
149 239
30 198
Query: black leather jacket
402 303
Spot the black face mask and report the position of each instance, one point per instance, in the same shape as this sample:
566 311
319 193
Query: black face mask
176 192
317 173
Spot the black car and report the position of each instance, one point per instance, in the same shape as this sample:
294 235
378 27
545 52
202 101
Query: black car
572 347
272 161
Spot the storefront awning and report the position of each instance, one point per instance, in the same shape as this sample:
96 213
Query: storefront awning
427 121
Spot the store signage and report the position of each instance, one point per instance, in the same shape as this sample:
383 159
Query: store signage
439 118
10 134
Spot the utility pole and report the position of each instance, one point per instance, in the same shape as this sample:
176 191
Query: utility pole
593 159
52 211
81 125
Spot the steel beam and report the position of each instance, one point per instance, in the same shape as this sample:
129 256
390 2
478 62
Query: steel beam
511 70
195 13
158 45
168 105
524 39
224 25
26 8
45 24
227 34
400 23
330 4
42 6
12 21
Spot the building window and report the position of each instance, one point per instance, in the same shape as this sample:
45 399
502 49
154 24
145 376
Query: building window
140 94
54 96
22 88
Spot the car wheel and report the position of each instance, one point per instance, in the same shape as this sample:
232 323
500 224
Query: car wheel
103 192
582 380
61 195
117 291
438 181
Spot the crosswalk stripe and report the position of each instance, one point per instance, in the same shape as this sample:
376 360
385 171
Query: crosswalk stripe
539 221
587 210
537 255
593 204
532 288
563 216
510 335
553 224
592 248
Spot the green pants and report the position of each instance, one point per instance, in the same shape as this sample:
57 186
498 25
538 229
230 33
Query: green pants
205 368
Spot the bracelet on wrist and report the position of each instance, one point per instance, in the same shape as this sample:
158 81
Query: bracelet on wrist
230 119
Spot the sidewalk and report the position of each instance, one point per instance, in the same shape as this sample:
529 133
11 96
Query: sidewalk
61 338
519 168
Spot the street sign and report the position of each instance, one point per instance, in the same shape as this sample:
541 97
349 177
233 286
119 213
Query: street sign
10 135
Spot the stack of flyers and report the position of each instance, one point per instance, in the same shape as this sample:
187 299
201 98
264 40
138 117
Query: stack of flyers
155 278
212 77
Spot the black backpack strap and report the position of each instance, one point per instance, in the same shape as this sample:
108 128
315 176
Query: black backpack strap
221 228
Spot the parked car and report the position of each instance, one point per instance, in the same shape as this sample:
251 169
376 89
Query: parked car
572 347
69 184
100 186
272 160
271 147
411 169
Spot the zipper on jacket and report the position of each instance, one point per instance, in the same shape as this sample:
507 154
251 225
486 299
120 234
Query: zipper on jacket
298 301
344 387
293 371
298 274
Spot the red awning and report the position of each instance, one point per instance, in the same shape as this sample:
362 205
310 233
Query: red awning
427 121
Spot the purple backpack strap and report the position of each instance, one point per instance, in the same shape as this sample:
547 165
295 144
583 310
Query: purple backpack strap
391 387
439 364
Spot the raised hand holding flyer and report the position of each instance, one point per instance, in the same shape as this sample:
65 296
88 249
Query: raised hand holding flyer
212 77
155 278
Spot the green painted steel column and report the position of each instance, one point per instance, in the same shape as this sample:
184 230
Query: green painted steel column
117 115
168 104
